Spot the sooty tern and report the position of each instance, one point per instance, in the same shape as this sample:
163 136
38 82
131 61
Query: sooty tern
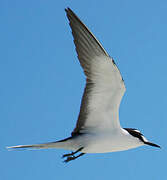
98 128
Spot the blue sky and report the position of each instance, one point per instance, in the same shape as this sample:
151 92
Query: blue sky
42 84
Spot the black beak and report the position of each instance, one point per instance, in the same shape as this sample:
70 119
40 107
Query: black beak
152 144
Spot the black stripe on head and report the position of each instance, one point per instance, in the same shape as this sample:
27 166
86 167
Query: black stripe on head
135 133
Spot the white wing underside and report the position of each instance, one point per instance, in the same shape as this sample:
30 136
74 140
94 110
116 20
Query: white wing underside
104 96
104 86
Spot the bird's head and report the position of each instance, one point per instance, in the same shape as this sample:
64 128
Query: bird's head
136 133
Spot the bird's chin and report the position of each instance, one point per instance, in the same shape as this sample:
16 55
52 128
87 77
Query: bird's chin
152 144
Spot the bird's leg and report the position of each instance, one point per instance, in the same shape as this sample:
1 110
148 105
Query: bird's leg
72 154
70 158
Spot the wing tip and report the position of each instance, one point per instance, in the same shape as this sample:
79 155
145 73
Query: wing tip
68 11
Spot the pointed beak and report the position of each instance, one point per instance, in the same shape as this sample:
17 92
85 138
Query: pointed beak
152 144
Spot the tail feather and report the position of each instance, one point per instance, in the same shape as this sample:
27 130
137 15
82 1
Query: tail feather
34 146
63 144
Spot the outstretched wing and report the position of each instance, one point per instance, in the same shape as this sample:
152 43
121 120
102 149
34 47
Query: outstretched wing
104 85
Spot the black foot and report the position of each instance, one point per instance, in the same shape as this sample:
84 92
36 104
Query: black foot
66 155
70 158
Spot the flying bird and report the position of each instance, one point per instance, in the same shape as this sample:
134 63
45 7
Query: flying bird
98 128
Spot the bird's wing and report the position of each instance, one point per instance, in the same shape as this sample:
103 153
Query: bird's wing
104 84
